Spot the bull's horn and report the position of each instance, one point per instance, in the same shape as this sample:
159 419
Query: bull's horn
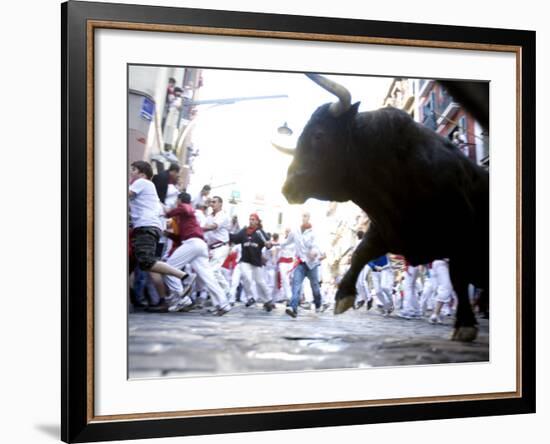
283 149
338 90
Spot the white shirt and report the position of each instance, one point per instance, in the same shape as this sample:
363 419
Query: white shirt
221 233
271 256
199 199
171 198
287 248
237 249
201 218
306 246
145 206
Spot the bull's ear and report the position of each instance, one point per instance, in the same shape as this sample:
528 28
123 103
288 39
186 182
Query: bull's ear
352 111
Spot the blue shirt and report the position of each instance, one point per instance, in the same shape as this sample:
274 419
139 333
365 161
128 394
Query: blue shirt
380 262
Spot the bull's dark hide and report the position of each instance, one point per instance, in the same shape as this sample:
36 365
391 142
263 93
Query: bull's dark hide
426 200
473 96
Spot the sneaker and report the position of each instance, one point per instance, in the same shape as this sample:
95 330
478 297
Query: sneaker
140 304
268 306
172 298
369 304
183 304
408 315
291 312
223 310
325 307
159 308
435 319
306 305
187 282
250 302
359 305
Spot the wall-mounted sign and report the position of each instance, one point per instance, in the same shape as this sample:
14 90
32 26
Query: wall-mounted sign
147 109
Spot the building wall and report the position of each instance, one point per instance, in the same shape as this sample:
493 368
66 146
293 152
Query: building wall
434 103
145 141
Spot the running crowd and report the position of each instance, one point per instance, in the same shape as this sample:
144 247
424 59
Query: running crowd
186 253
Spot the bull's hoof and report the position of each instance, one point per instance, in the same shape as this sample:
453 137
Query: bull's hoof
464 334
343 304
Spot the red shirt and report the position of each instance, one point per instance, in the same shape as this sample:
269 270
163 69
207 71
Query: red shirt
188 227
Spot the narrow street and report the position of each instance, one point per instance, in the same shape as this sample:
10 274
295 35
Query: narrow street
251 340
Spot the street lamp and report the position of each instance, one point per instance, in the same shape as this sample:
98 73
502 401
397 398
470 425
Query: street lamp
285 130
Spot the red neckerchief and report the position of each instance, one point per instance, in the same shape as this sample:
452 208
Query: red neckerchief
305 227
250 230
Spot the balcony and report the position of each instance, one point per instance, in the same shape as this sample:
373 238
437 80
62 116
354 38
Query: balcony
446 110
424 87
443 104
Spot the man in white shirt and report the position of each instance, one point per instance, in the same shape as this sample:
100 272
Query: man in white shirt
202 197
308 256
200 214
285 263
216 234
145 210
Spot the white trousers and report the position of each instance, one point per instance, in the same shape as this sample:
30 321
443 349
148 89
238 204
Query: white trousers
251 274
382 282
410 296
236 279
430 287
362 286
285 269
271 280
444 291
217 258
195 252
227 274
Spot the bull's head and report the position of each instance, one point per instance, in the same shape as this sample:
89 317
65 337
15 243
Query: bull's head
319 166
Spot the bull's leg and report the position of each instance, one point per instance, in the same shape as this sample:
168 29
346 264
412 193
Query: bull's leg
370 248
465 324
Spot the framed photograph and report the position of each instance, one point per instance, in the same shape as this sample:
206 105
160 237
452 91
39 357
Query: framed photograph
275 222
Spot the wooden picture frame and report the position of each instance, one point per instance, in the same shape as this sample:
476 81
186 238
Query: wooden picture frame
80 20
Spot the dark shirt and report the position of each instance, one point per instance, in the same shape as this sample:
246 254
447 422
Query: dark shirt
251 245
161 182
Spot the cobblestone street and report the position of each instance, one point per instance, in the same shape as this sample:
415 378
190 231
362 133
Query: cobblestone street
251 340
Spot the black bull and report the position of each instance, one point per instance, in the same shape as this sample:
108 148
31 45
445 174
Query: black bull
424 198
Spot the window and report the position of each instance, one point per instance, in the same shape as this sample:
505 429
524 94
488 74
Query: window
462 123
